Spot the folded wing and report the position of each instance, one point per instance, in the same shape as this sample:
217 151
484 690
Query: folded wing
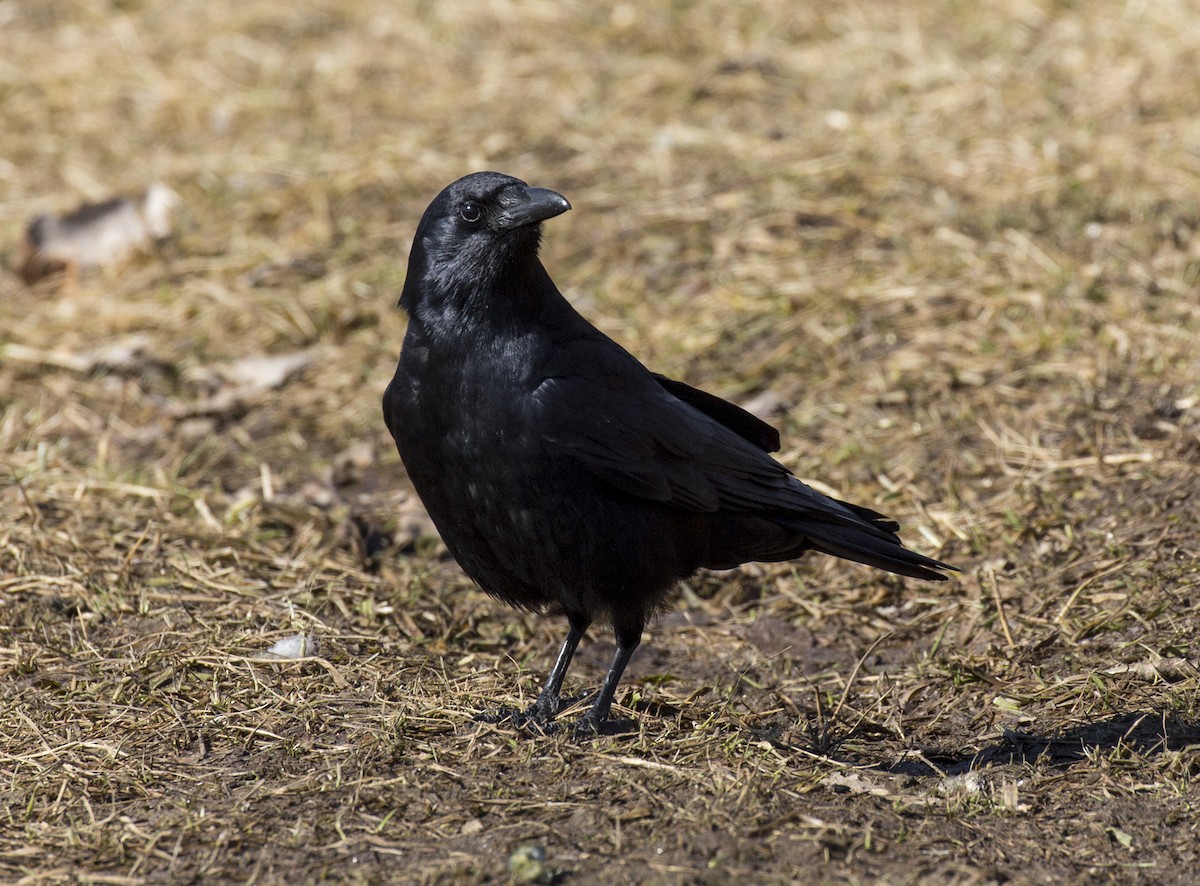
661 440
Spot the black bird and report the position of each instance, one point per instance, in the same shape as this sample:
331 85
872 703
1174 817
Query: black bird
557 468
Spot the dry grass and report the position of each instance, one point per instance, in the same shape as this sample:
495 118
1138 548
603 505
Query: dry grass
957 244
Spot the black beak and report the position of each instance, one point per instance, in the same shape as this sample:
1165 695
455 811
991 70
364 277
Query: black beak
537 205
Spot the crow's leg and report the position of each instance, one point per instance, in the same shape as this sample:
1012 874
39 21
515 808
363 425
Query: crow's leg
542 712
628 638
549 702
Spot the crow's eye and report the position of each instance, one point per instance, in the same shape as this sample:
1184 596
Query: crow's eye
470 212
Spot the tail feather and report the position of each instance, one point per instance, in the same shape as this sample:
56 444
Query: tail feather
874 542
881 552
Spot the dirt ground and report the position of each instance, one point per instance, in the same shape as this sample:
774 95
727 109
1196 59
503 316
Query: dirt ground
950 249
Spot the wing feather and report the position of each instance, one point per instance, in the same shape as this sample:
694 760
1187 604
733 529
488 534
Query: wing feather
649 443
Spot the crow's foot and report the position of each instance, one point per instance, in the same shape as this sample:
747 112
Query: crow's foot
588 728
531 720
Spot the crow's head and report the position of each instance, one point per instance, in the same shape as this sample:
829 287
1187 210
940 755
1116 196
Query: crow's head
477 238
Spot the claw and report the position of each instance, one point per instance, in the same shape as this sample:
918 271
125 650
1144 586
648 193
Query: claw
587 728
532 720
499 716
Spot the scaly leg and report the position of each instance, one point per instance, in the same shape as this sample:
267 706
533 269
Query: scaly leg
593 721
549 700
543 711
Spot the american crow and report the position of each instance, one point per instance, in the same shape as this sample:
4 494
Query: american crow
557 468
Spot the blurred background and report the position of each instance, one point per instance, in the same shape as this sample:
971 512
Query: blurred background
949 248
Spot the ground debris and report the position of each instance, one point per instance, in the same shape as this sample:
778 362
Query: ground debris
95 235
240 384
297 646
1168 669
527 864
130 354
997 339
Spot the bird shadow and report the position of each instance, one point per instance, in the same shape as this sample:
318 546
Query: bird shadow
1143 733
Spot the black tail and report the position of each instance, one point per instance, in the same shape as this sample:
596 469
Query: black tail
874 543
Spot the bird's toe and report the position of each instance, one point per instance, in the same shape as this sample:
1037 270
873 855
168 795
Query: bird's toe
531 721
500 716
589 727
